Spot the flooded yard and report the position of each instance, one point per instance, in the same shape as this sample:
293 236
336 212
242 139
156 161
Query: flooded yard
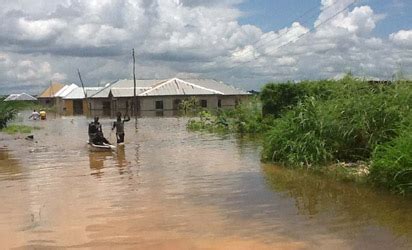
168 188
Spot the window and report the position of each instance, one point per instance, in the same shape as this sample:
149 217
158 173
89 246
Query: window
159 104
219 103
203 103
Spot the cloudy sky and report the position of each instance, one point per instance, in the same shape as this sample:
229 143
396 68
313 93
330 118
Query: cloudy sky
245 43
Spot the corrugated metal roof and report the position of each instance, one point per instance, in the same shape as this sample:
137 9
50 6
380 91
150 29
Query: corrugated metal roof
66 90
127 92
124 84
218 86
20 97
78 92
176 86
51 90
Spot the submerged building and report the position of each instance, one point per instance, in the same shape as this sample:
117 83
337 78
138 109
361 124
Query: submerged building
48 96
163 96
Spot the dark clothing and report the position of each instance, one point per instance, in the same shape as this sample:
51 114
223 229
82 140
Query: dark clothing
119 125
120 137
96 134
99 139
95 127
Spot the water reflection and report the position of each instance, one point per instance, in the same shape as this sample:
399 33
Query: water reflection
10 167
97 160
345 203
170 188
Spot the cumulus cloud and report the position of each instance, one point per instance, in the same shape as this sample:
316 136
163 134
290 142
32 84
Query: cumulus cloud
402 38
44 40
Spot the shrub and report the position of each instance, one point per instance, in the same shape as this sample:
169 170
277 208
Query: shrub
7 113
392 163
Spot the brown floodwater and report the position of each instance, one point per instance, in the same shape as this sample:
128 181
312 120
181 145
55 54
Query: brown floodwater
168 188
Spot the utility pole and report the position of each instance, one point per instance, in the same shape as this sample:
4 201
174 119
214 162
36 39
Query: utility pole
84 91
134 90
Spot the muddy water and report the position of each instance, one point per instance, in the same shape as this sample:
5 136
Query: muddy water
171 189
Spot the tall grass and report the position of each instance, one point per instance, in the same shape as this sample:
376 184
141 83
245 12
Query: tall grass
354 121
392 163
319 123
244 118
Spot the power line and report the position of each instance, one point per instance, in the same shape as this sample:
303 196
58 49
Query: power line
302 35
295 20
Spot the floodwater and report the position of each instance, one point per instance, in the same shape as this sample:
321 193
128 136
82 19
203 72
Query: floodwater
168 188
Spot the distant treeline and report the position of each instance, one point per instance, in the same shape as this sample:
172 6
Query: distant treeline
320 123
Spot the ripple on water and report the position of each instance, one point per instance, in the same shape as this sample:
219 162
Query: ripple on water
168 187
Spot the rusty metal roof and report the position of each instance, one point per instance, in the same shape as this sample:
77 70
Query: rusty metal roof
51 90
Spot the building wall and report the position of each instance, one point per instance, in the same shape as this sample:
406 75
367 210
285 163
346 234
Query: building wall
147 104
68 107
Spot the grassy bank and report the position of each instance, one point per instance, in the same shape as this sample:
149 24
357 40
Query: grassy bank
318 124
18 129
8 110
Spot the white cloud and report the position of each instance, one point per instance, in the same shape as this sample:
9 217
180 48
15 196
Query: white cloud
402 37
43 40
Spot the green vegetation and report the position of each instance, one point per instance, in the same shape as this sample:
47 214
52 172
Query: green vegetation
18 129
319 124
8 110
244 118
7 113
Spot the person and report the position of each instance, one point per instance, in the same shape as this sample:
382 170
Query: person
35 115
119 125
96 133
42 114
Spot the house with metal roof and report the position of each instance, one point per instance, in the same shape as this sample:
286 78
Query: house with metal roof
20 97
76 103
163 95
47 97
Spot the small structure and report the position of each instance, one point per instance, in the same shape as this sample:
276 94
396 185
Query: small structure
76 103
47 97
164 95
63 92
20 97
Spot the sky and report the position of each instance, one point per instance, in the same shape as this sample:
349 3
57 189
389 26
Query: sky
243 43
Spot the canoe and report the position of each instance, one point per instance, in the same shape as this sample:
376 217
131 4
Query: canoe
102 147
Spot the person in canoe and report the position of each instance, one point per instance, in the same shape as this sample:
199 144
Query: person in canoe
96 133
119 125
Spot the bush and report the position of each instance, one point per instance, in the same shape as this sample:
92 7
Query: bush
392 163
244 118
7 113
345 126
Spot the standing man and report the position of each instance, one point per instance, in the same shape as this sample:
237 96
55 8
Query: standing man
35 115
119 125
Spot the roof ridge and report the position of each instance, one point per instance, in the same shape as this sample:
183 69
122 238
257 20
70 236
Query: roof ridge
156 86
201 87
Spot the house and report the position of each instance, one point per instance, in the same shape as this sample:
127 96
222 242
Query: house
58 97
163 96
76 103
20 97
47 97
